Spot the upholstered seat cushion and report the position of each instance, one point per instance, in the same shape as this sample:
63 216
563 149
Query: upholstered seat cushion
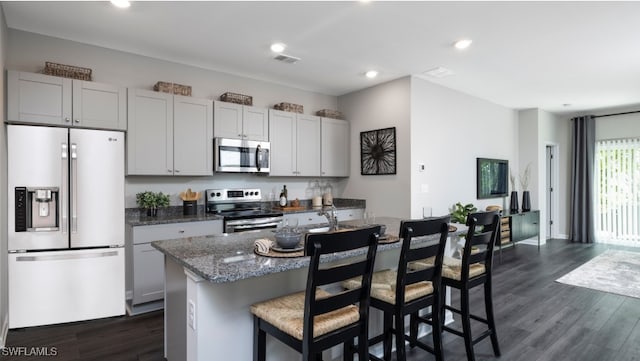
451 267
383 287
287 314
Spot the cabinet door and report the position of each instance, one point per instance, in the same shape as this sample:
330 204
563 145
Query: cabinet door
282 132
97 105
150 133
255 123
335 148
148 273
308 145
227 120
38 98
192 136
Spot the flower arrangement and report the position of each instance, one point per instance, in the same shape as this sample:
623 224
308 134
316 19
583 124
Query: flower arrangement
512 179
524 179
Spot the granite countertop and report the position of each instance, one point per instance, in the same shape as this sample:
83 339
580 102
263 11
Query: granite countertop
230 257
137 217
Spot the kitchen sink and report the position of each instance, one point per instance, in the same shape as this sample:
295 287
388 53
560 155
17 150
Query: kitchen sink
326 229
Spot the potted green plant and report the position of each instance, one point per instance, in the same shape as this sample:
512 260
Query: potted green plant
461 211
151 201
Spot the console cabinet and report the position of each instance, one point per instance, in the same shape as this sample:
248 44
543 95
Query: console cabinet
524 225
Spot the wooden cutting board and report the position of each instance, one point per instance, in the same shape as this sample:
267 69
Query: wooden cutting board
300 208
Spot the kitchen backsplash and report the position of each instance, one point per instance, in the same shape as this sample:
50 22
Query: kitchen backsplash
297 187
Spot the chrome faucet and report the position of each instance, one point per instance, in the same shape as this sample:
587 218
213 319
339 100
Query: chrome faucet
332 216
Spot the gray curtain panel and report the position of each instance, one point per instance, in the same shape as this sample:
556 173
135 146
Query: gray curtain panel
582 179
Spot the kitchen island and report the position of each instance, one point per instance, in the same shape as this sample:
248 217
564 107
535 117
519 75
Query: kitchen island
211 281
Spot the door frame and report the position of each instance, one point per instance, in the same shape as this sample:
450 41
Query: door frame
552 178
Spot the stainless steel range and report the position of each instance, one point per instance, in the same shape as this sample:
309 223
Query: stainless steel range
242 209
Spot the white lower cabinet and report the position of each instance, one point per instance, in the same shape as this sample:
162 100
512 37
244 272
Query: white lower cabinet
145 264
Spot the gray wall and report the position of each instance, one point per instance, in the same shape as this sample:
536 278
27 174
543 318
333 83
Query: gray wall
442 128
4 321
449 130
383 106
28 52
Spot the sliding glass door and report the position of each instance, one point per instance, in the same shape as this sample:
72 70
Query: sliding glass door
617 183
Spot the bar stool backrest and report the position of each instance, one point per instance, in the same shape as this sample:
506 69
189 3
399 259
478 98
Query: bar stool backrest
483 233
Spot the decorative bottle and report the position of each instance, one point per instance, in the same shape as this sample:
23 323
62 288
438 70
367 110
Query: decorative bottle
283 197
327 196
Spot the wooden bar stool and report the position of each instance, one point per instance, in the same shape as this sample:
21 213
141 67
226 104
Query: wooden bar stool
314 320
408 290
474 269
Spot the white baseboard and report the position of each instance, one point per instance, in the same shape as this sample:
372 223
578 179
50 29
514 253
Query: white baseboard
4 332
562 236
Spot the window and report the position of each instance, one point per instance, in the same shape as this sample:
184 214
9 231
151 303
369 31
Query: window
617 183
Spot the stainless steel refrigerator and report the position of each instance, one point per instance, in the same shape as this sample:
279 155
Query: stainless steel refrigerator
66 224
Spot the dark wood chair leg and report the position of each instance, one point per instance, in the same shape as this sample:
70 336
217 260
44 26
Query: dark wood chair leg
259 341
488 304
388 335
413 329
400 348
363 346
347 352
466 323
436 328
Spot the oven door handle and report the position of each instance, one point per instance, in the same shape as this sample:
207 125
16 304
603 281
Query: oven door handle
254 221
257 226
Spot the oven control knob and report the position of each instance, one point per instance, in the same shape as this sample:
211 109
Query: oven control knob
257 192
250 193
246 193
218 194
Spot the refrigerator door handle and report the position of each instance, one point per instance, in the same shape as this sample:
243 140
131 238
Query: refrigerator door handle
62 257
64 189
74 188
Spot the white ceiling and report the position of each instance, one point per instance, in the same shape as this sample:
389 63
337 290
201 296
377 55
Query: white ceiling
524 54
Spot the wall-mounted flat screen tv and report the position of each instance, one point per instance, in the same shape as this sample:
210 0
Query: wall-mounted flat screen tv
492 179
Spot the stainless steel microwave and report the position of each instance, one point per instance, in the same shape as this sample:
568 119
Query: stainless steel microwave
241 156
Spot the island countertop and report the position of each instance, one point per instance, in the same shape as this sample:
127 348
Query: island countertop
230 257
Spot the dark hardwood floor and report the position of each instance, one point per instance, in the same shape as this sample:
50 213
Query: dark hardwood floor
537 319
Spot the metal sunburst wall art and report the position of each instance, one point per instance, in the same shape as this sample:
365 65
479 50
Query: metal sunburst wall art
378 152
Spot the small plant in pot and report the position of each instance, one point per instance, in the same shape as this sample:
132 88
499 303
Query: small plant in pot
151 201
461 211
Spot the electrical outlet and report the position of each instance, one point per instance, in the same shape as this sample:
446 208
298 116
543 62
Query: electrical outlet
191 315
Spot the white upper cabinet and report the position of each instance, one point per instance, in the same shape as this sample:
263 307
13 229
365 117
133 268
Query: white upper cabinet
192 136
45 99
169 134
238 121
150 133
335 148
295 144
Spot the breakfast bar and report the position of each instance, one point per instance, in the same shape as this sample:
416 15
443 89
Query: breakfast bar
211 281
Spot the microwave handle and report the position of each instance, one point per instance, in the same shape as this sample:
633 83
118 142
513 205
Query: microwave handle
258 157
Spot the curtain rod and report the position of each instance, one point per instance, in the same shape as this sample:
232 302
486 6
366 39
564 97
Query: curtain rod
610 115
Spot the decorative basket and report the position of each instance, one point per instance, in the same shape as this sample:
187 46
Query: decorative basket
289 107
166 87
67 71
329 113
236 98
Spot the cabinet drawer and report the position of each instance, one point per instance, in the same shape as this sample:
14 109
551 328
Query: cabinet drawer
158 232
350 214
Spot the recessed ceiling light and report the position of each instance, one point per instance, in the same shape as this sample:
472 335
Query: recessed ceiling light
463 44
566 105
371 74
278 47
121 3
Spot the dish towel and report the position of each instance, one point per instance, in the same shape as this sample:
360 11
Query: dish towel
263 245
